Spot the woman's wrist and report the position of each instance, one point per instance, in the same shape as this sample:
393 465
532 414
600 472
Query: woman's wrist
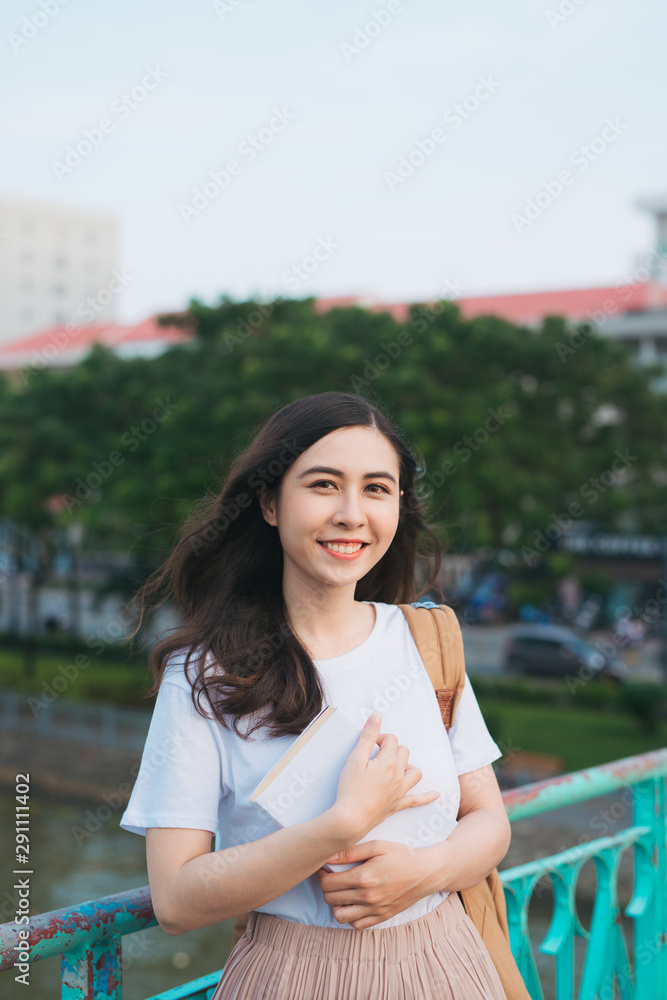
477 845
437 867
341 828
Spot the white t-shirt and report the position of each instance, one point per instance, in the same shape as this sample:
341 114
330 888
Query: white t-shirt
196 774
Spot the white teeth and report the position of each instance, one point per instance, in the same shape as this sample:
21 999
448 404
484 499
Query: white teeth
347 549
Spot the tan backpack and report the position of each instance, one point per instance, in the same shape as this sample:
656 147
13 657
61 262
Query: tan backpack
438 638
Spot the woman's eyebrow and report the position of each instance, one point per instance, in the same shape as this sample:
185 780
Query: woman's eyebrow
337 472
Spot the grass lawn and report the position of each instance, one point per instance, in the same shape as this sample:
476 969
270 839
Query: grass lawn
77 677
581 737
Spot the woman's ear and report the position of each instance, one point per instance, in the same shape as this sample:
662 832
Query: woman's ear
267 503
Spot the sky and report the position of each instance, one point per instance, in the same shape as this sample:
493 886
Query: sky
399 150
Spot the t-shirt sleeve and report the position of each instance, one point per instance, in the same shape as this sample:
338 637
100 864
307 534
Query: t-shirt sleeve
180 778
470 740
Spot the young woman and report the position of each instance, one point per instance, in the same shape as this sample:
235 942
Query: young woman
287 584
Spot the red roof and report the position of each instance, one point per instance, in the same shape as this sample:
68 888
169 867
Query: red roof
337 302
530 307
66 343
575 303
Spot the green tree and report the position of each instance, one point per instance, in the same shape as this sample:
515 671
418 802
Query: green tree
515 426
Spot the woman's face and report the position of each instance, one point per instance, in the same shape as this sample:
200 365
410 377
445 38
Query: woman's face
344 488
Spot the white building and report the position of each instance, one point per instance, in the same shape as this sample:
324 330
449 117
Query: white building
56 264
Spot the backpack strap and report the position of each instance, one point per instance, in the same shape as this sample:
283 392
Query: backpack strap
438 638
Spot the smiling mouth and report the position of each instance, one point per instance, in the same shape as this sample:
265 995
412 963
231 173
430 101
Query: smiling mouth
342 549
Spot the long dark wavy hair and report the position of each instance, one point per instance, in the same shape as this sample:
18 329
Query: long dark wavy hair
225 574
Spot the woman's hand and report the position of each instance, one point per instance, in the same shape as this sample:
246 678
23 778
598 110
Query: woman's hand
392 878
371 790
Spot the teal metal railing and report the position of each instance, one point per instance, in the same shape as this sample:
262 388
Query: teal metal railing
88 936
606 965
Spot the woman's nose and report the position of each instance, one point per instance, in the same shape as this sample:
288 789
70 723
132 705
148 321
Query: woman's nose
349 510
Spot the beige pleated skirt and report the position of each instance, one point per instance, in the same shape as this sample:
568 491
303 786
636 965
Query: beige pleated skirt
440 955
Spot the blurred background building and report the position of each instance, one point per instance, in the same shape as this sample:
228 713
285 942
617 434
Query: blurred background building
53 258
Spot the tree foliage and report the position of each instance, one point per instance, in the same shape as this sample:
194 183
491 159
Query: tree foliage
516 426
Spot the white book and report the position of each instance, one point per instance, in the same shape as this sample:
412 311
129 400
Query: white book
304 782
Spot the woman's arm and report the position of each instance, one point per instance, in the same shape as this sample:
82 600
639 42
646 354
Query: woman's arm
395 876
193 887
481 839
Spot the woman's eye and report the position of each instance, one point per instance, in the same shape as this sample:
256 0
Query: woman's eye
328 482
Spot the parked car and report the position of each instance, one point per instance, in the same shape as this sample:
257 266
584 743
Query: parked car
557 651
